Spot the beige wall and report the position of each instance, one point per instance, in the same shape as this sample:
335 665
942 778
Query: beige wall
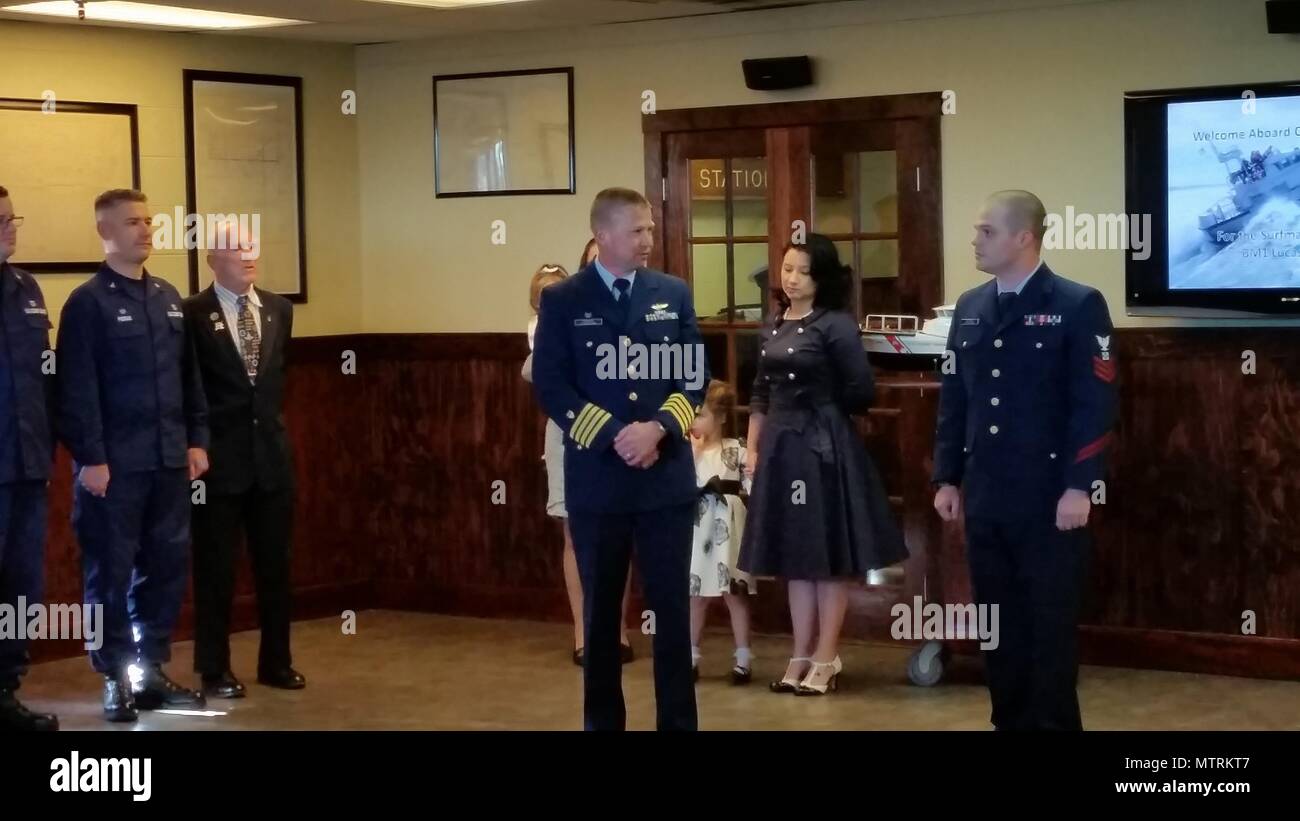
118 65
1039 105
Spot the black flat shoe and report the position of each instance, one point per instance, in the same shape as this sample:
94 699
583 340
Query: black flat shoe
118 704
627 654
155 691
223 685
741 675
579 656
15 716
286 678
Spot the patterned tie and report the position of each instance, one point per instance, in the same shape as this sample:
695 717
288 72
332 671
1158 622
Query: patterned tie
250 341
622 288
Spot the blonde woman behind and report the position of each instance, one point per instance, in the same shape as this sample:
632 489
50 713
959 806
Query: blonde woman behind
553 456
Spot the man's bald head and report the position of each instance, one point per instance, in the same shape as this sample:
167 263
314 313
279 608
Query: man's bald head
232 255
1009 232
1023 211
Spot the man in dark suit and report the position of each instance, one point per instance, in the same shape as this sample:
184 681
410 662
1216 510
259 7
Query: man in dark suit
1024 421
240 334
603 339
26 450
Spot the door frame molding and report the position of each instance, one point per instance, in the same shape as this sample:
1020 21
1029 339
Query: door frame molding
925 109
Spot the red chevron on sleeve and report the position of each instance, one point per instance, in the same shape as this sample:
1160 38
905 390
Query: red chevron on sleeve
1104 369
1092 449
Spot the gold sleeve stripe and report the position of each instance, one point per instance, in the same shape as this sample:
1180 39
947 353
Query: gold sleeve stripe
589 414
679 404
597 425
589 422
680 410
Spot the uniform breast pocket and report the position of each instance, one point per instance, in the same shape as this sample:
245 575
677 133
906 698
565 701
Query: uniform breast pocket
592 340
1044 357
968 338
663 330
129 350
966 347
127 331
39 323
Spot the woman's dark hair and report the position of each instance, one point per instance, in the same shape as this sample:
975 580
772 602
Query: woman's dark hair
586 252
833 278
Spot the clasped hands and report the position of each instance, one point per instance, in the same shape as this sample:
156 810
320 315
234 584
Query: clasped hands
637 444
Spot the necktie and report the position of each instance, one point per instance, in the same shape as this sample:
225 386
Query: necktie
250 342
622 291
1004 304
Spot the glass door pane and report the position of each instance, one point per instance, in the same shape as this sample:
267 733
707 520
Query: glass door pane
728 217
718 204
855 203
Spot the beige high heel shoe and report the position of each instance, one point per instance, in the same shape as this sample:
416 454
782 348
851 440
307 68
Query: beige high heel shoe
816 683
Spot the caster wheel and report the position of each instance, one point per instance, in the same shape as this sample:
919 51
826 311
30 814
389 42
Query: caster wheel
925 666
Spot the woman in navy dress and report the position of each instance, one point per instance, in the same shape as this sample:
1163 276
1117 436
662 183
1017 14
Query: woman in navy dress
818 514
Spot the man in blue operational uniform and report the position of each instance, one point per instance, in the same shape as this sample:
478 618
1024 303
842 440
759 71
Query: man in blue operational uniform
26 451
619 365
1025 416
131 411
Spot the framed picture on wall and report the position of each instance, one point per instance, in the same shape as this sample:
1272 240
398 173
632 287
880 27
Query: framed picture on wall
58 156
504 133
244 161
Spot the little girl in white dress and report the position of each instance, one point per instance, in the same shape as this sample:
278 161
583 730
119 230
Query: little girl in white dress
719 525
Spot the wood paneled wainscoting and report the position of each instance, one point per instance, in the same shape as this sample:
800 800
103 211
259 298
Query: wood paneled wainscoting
421 487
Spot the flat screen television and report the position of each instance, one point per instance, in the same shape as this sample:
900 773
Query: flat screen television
1218 171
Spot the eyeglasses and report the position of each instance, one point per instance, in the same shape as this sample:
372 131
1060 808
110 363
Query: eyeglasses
16 222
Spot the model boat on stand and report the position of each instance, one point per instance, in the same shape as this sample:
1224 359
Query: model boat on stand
904 342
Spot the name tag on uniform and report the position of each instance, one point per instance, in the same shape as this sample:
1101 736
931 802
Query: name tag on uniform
578 323
1042 319
35 311
970 320
176 314
125 318
660 315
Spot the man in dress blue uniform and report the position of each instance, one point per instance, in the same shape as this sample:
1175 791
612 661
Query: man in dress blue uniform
26 451
1025 415
619 365
132 413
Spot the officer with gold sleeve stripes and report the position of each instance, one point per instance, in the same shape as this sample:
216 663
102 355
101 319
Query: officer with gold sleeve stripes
619 364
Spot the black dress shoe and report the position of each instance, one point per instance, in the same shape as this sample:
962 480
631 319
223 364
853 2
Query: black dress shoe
625 654
118 703
222 685
286 678
155 691
15 716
